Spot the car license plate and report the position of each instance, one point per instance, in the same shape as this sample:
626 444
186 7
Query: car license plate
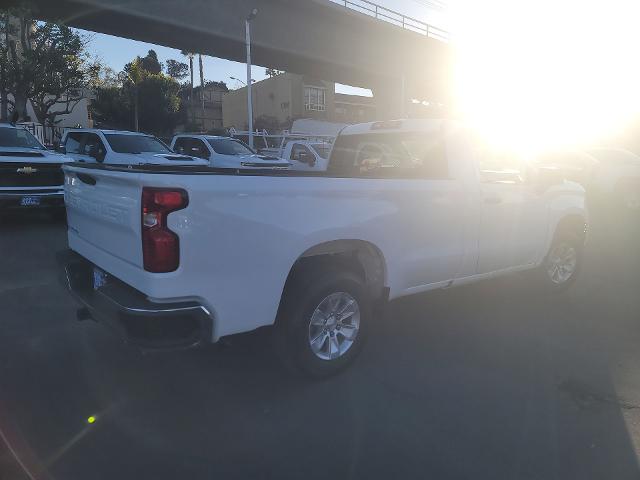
30 201
100 278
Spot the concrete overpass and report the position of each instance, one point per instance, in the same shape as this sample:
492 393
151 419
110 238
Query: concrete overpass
314 37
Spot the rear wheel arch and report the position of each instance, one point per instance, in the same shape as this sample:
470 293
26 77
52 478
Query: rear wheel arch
358 256
573 224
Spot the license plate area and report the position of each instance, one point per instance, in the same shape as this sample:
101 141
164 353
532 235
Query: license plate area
29 201
100 278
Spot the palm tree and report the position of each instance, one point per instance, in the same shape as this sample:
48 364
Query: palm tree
134 73
201 86
190 56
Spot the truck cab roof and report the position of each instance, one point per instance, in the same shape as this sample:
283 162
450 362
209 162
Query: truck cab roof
400 125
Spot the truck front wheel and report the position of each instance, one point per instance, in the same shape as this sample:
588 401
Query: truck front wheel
563 262
323 322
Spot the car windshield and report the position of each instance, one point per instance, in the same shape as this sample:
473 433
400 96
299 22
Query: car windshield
322 149
229 146
18 137
125 143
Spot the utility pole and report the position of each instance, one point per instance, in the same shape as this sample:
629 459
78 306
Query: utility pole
201 88
247 31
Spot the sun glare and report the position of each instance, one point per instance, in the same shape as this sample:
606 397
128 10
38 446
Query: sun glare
543 74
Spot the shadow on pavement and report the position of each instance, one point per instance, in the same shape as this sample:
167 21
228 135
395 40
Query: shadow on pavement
493 380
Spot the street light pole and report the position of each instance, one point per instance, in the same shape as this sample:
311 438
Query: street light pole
247 29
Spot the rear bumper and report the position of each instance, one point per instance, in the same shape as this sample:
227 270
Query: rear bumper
47 198
136 319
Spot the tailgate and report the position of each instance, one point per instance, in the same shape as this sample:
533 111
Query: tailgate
103 213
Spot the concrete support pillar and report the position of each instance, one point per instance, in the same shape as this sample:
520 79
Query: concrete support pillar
390 96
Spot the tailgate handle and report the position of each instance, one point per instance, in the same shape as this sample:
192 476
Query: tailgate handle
88 179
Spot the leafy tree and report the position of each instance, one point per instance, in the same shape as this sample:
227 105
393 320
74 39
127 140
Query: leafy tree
112 108
221 85
177 70
150 63
46 63
271 72
159 104
140 100
4 62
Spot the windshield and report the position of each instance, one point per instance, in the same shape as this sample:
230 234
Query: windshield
124 143
18 137
322 149
229 146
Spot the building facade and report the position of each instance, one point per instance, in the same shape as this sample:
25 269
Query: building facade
204 116
279 100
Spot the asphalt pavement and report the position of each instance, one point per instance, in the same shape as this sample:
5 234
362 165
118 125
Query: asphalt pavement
493 380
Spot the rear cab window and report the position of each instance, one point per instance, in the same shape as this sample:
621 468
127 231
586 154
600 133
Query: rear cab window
391 155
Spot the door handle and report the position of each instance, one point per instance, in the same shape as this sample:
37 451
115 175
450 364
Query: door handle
492 200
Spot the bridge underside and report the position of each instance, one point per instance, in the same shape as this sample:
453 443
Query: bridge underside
312 37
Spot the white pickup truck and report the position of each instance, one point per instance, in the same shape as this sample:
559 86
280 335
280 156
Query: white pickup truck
175 257
307 155
120 147
608 174
224 152
30 175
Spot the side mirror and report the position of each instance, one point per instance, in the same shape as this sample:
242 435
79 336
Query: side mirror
61 148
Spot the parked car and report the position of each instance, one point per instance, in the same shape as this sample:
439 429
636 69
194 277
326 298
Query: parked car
184 258
224 152
307 155
120 148
30 175
610 174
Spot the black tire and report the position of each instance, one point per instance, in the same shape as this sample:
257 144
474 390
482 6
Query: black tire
571 240
308 288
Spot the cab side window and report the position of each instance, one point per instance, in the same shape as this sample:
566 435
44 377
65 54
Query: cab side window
182 145
73 143
298 149
500 167
199 149
94 147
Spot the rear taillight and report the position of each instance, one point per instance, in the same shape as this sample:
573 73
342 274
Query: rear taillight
160 246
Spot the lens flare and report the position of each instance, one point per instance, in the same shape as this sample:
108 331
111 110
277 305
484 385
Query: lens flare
551 73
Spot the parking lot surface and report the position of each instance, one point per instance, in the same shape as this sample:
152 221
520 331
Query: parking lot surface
494 380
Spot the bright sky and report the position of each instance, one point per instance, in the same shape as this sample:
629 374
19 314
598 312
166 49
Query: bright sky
116 52
546 74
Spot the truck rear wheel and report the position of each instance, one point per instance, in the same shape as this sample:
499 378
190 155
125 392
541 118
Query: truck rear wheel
323 322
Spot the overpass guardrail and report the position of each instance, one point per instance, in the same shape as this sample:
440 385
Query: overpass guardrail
396 18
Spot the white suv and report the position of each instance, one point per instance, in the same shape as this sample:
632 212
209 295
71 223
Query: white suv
120 147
